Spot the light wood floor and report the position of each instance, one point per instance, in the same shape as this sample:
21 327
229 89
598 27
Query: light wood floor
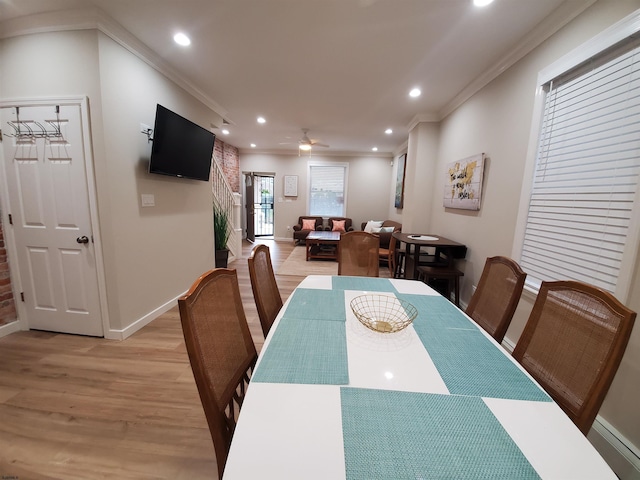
74 407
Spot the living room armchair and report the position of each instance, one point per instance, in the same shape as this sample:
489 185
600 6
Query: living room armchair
306 225
339 224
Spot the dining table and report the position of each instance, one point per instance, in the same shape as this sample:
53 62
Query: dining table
330 398
446 250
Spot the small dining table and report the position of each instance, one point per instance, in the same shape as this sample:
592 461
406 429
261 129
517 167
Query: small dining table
414 241
332 399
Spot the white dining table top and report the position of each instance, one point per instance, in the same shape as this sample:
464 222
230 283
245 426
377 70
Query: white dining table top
331 399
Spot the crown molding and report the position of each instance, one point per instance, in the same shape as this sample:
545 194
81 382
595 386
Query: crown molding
545 29
93 18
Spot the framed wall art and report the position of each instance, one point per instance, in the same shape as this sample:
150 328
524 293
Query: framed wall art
290 185
402 166
463 183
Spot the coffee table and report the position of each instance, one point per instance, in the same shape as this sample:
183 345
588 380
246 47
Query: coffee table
323 245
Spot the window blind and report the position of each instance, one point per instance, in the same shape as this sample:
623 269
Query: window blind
327 190
587 172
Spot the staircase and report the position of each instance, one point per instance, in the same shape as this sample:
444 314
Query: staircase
230 202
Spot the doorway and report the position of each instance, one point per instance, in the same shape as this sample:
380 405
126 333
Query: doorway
259 196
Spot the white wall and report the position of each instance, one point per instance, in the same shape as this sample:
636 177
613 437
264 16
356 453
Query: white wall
154 254
369 189
497 121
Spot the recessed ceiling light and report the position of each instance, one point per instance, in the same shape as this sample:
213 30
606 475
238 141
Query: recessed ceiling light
182 39
253 145
261 120
388 131
225 132
415 92
482 3
375 149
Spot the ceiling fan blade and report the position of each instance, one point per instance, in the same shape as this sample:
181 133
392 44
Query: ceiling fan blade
316 144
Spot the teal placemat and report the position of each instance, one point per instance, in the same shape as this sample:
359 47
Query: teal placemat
305 351
362 283
438 310
316 304
467 361
405 435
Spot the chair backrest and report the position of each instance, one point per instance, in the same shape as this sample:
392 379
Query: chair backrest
265 289
221 351
358 254
572 345
495 300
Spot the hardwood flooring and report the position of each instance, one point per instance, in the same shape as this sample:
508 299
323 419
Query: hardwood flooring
74 407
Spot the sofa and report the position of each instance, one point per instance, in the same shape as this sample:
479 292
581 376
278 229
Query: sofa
300 233
348 224
385 236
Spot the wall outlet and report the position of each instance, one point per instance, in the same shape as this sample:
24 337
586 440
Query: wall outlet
288 228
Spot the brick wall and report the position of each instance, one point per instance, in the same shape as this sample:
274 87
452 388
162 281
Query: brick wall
228 158
7 306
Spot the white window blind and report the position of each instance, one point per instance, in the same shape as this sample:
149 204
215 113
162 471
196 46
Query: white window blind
587 173
327 190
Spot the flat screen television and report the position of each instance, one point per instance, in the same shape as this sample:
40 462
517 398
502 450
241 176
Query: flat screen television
180 147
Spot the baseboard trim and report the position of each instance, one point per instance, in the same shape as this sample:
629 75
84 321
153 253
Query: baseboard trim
113 334
10 328
620 454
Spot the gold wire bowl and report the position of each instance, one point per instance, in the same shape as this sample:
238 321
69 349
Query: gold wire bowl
383 313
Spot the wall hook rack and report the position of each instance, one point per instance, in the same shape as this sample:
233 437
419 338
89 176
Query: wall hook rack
31 129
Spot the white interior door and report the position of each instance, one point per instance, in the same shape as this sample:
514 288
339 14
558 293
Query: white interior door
51 224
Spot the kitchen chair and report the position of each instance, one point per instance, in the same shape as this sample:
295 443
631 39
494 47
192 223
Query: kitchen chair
572 345
221 351
393 257
265 289
435 275
495 300
358 254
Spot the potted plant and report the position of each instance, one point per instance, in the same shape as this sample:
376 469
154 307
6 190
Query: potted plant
221 231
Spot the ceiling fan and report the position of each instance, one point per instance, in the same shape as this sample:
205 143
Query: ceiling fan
306 144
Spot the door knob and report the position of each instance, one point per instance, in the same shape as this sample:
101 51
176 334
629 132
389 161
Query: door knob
82 239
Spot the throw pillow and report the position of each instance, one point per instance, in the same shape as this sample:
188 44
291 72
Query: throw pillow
371 224
308 224
387 229
338 226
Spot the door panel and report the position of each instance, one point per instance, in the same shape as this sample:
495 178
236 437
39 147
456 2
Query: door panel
248 199
49 203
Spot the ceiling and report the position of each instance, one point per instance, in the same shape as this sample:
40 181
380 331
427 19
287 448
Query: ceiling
341 68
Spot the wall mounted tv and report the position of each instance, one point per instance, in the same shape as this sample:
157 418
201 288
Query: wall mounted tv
180 147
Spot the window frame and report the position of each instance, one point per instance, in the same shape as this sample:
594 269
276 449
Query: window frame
617 33
318 163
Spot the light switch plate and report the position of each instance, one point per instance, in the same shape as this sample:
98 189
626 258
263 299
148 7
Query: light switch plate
148 200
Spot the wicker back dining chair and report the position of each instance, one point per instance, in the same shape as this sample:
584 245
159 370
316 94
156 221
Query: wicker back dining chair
495 300
264 286
358 254
221 352
572 345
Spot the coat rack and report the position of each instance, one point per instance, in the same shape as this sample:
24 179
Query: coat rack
30 129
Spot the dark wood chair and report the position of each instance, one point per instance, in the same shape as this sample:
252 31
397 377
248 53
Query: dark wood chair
358 254
221 352
449 276
572 345
495 300
264 285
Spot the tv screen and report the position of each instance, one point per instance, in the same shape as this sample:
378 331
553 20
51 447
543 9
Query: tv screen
180 147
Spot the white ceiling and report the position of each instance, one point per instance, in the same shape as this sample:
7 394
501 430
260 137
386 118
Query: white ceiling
341 68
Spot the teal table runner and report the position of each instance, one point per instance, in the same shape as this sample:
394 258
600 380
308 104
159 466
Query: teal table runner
467 361
406 435
307 352
316 304
362 283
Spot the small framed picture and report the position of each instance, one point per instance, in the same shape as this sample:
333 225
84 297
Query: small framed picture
290 185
